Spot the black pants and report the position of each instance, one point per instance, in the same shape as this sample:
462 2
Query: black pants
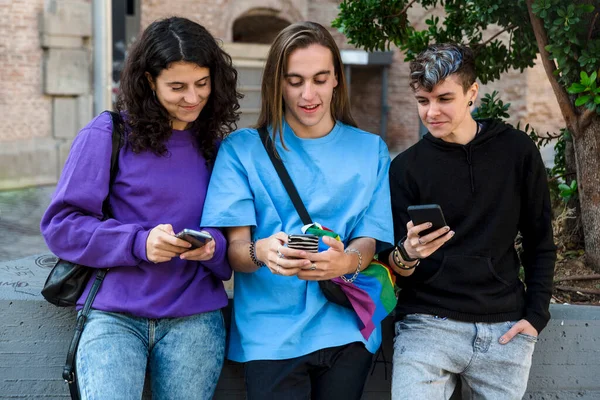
326 374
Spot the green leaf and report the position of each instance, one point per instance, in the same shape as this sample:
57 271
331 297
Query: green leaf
582 100
587 8
576 88
564 187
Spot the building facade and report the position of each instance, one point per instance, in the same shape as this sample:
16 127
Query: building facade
46 73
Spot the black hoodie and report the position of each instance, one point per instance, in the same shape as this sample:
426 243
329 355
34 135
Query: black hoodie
489 189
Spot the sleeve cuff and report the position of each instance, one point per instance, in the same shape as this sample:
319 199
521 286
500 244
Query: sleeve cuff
218 263
139 245
537 321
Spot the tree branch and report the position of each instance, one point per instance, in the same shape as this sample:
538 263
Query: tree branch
586 118
508 28
577 290
578 278
564 102
555 178
404 10
589 36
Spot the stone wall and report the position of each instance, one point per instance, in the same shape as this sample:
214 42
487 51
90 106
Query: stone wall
45 86
34 337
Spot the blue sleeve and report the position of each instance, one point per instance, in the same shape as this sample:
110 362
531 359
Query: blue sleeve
229 200
377 220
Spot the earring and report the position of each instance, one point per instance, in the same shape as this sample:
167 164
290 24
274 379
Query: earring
470 103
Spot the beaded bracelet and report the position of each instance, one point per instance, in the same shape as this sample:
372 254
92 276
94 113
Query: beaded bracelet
400 264
353 278
255 260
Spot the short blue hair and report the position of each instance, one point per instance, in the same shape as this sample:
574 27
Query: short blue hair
438 62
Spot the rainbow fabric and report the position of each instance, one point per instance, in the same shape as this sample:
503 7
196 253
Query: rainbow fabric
372 294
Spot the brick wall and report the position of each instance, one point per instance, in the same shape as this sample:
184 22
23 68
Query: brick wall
29 148
25 111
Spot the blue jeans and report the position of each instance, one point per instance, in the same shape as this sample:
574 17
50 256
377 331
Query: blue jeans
184 356
431 353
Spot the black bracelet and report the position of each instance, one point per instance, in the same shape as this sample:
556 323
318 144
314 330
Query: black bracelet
400 264
402 250
255 260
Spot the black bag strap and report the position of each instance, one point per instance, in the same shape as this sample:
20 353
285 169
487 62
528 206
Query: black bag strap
117 143
69 368
284 176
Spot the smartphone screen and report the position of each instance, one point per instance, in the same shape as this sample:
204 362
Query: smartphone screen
427 213
195 238
306 242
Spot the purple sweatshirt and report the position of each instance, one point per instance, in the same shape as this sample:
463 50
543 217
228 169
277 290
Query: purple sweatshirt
148 190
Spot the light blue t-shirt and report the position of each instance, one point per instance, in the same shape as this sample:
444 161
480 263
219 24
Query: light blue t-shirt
342 179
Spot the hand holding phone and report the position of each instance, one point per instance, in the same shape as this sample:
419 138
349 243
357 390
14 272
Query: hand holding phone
306 242
196 238
427 213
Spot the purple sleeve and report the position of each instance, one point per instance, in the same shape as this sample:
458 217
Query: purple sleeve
218 264
72 225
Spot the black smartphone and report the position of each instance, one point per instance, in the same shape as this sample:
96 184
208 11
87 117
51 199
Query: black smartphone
306 242
195 238
427 213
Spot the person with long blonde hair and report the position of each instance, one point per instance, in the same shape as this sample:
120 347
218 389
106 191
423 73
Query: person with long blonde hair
294 342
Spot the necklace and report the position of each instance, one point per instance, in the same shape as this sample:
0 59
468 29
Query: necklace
478 128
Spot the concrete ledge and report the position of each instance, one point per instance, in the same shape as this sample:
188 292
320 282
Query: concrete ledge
34 337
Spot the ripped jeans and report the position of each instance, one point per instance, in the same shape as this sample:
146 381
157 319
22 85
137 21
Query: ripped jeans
432 353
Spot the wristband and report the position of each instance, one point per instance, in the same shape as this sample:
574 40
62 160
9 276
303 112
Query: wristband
400 264
402 250
255 260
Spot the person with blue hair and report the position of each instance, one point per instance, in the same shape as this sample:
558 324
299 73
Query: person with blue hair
463 313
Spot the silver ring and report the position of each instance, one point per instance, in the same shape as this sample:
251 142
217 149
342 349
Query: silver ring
279 253
313 266
277 269
421 243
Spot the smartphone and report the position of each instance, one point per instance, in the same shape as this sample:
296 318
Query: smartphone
195 238
306 242
427 213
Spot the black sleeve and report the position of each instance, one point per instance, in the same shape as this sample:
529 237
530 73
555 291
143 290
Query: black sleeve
539 251
404 193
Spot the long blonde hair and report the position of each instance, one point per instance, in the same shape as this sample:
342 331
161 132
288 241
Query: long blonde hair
298 36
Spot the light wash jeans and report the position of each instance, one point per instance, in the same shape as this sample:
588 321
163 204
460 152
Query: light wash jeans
184 356
432 353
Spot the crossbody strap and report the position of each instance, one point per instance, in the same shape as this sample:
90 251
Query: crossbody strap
69 368
284 176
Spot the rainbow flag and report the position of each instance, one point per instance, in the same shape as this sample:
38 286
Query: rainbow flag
373 294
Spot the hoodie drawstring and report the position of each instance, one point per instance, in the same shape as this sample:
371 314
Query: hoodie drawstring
467 150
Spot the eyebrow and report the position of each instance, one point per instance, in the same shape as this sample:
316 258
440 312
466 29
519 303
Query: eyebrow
183 83
293 75
439 95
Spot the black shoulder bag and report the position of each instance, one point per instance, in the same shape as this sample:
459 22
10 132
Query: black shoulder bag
331 290
66 281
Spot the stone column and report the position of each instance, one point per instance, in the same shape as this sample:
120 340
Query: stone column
66 30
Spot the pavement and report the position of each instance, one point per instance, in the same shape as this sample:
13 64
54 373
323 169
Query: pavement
20 214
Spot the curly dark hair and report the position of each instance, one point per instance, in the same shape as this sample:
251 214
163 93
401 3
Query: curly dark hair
164 42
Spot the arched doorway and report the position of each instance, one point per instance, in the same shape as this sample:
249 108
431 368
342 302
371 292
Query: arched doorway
252 33
259 25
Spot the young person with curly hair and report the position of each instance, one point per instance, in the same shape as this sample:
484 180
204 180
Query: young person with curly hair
158 308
